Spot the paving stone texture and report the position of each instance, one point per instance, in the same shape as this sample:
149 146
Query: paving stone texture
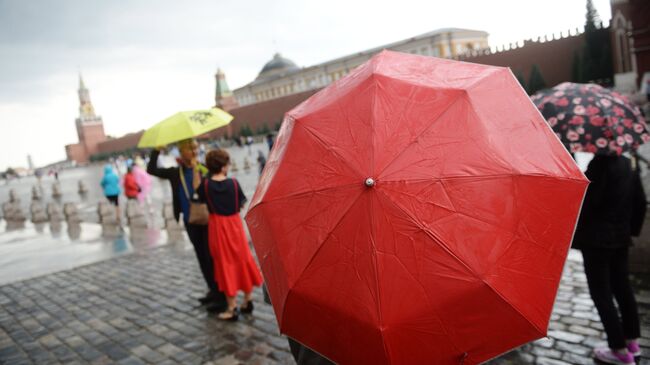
142 309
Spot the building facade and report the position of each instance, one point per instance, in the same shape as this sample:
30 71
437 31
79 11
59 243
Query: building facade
630 30
281 77
90 129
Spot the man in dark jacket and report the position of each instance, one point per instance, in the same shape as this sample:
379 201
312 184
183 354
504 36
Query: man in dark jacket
603 235
184 179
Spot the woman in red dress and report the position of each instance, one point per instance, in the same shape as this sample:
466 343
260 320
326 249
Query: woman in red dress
234 266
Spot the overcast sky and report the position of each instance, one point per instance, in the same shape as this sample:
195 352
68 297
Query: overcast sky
144 60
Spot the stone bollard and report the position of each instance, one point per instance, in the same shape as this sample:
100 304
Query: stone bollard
106 213
247 164
38 212
82 188
54 212
74 231
71 213
13 198
134 214
55 228
108 220
36 193
233 166
56 190
168 217
12 212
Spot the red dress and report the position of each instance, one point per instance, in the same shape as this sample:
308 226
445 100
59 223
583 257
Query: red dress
234 266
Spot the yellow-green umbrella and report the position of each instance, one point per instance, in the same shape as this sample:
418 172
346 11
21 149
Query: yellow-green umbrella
184 125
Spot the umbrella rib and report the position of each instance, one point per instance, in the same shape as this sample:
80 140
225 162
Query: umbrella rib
444 327
373 236
300 194
415 139
313 257
459 177
341 159
451 253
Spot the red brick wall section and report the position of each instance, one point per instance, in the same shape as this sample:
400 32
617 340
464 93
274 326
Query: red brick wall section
93 136
554 58
120 144
76 152
256 115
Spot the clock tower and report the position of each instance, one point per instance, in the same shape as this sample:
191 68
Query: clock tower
90 128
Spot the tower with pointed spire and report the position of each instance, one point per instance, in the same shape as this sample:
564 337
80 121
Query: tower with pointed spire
223 97
90 128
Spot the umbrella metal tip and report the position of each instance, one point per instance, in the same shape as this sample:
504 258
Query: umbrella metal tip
370 182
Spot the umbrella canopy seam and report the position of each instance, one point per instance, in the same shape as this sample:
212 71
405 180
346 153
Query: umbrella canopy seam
460 96
452 254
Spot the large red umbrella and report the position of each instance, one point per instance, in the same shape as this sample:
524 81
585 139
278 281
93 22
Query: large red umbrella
417 211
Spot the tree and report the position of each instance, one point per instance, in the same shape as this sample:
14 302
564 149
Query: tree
263 129
592 17
596 55
245 130
536 80
576 68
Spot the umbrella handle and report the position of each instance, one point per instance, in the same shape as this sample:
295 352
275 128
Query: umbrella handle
462 358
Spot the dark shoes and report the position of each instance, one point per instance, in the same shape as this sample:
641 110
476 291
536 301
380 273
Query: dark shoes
208 298
248 309
230 315
216 307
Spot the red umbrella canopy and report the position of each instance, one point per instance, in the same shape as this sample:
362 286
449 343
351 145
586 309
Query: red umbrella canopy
417 211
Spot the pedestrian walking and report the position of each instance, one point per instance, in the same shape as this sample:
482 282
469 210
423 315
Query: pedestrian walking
261 160
269 141
607 221
131 187
235 268
111 185
184 179
143 180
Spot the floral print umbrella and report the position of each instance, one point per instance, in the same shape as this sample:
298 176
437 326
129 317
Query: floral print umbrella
591 118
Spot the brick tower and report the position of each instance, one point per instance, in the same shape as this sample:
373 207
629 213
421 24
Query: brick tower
90 129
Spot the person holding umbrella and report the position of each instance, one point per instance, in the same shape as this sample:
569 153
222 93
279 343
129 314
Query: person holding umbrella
603 235
184 180
182 127
589 118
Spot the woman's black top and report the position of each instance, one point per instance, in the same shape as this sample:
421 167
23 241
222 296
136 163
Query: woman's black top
608 211
222 196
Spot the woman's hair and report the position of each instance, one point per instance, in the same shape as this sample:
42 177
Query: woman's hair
215 160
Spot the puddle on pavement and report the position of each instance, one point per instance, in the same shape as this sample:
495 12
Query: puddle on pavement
28 250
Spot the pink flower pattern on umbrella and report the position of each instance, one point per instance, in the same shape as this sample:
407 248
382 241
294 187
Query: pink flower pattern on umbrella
590 118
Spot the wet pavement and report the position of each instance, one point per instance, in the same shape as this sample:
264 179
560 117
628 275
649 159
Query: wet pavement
133 309
141 309
28 250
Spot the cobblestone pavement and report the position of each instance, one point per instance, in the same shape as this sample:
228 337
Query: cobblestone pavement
141 309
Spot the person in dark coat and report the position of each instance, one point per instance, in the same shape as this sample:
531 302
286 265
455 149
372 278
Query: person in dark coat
184 179
603 234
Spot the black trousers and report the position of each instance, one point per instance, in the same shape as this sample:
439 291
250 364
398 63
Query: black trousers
198 235
607 277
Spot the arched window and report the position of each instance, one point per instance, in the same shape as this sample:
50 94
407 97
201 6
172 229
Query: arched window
621 43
